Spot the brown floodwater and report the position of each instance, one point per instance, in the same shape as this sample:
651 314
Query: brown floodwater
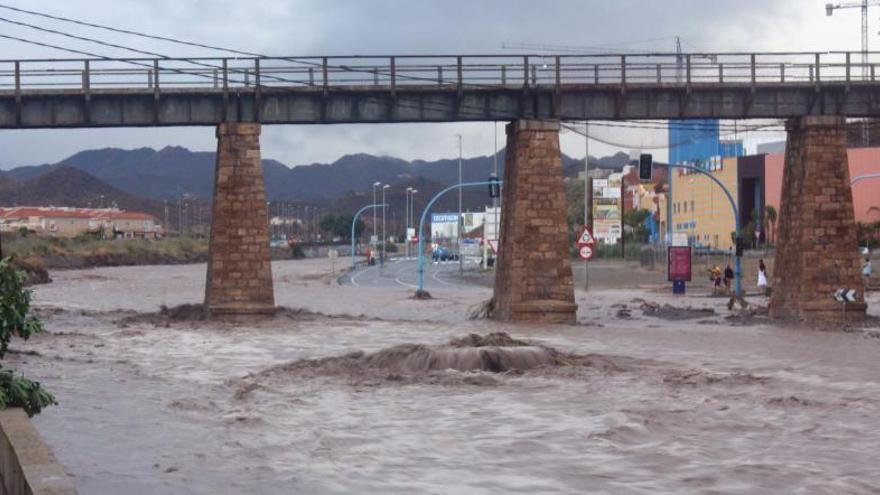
369 391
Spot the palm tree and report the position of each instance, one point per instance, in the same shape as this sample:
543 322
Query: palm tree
770 216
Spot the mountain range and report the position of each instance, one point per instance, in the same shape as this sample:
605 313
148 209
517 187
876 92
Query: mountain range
172 172
68 186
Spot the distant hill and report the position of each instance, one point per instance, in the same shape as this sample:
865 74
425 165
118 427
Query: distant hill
68 186
173 171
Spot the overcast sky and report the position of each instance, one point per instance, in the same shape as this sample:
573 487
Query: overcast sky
338 27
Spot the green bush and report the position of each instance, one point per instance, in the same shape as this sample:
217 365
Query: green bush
297 252
389 247
15 320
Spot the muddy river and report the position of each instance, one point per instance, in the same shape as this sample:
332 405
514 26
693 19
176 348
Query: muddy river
359 390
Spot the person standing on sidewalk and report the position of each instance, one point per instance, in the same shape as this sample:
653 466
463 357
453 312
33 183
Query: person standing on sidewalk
866 271
728 277
762 276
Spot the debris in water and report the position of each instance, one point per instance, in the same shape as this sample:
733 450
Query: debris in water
422 294
668 312
482 311
696 377
199 312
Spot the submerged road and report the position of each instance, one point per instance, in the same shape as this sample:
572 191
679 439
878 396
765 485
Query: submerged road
402 273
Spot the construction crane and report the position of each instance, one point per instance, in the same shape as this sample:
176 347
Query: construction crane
864 4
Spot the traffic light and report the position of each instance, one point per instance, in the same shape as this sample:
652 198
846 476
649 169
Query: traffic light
494 187
646 166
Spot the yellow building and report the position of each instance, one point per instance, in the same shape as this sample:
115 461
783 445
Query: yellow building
700 209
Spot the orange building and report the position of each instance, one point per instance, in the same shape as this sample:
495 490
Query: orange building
866 193
70 222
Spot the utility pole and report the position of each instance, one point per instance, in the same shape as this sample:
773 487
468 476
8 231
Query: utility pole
460 223
412 214
406 221
622 223
384 234
588 196
375 221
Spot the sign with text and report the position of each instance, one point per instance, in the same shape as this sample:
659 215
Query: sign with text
679 264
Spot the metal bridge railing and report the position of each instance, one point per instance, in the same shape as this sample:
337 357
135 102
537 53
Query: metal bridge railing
443 71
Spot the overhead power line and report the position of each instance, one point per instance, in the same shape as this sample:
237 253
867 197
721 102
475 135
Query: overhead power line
128 48
82 38
127 31
182 42
104 57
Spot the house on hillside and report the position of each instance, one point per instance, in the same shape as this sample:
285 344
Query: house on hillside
71 222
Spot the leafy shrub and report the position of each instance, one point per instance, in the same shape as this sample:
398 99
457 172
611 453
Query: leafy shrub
389 247
15 320
297 252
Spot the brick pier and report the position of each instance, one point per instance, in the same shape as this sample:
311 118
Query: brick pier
533 279
239 270
817 248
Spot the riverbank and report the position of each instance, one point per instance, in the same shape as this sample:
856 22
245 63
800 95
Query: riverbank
55 253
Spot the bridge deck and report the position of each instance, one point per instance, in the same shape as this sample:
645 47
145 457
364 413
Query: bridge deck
326 90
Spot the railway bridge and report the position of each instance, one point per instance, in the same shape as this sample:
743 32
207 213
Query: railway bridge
814 92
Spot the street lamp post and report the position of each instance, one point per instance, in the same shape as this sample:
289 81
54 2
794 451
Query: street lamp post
375 222
460 223
353 237
420 291
588 200
384 234
412 209
406 220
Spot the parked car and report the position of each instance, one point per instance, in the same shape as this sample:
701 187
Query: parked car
443 253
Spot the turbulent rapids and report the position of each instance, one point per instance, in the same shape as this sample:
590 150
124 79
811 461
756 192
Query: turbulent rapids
473 359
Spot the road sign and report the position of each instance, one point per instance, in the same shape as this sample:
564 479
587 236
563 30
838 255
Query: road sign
679 263
845 295
586 237
586 252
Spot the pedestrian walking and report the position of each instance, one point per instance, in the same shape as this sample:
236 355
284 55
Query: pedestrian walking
866 271
715 277
762 276
728 277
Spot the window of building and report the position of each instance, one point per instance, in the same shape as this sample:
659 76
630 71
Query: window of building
685 207
692 205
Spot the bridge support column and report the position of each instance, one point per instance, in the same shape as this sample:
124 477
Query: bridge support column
239 270
817 247
533 279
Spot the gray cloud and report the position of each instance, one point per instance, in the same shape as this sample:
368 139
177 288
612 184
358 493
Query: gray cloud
299 27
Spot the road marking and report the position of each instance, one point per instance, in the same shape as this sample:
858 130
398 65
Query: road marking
435 277
358 274
401 282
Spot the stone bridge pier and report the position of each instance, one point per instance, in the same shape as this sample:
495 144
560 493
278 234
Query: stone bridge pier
239 270
533 278
817 247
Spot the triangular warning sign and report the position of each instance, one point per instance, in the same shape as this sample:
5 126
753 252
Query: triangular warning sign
586 237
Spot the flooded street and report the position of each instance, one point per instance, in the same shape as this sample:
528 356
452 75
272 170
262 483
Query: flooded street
302 402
